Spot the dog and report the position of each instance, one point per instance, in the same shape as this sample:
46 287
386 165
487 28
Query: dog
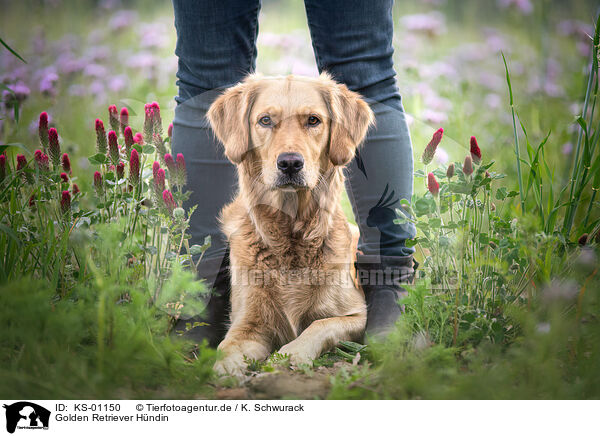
291 246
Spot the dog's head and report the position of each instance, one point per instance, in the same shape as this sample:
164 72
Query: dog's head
289 131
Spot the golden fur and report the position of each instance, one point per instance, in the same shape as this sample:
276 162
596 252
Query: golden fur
291 247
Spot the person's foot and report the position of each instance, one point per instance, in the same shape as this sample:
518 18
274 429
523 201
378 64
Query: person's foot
383 310
381 278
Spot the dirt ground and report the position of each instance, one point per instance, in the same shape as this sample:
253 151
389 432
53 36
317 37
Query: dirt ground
283 383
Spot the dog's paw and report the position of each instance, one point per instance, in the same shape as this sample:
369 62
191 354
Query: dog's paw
232 364
299 355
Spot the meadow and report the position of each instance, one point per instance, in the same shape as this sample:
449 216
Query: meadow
96 263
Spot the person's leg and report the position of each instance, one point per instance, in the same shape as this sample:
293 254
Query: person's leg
352 40
216 47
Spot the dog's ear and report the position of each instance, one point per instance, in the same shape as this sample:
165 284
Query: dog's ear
228 116
350 119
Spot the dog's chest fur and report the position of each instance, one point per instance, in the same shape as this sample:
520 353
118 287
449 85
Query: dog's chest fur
302 278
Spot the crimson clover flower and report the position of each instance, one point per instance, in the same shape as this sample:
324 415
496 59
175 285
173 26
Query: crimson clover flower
101 144
98 185
54 147
65 203
120 170
450 170
113 147
430 149
155 168
113 117
66 163
138 138
170 130
180 169
170 163
21 162
64 177
468 166
124 120
433 185
169 201
43 130
148 123
159 181
475 151
129 141
41 161
156 119
75 189
134 167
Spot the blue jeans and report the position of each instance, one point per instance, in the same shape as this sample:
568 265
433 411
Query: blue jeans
352 40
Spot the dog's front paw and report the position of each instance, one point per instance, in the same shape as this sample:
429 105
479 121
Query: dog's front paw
298 353
232 364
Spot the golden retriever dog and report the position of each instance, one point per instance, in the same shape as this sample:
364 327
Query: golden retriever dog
291 246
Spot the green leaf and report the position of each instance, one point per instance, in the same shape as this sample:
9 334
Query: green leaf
147 149
18 145
501 193
98 159
12 51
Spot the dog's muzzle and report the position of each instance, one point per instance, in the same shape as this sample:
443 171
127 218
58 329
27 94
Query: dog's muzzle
290 167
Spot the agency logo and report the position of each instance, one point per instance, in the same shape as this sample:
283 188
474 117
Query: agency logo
26 415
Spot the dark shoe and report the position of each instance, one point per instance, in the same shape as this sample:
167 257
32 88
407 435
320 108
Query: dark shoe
212 323
381 278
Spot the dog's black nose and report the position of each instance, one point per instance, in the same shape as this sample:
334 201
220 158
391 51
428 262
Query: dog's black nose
290 163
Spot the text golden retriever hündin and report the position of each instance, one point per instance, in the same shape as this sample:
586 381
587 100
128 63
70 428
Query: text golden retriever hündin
291 247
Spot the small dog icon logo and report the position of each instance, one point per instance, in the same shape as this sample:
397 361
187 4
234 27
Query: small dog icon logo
26 415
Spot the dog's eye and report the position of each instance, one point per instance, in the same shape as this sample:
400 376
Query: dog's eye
313 120
265 121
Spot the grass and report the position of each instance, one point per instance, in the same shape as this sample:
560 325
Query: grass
506 305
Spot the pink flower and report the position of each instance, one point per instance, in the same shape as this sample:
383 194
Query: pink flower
41 160
450 170
113 147
113 117
65 203
43 130
21 162
170 163
433 185
155 168
159 181
64 177
180 168
148 124
124 119
468 166
134 167
138 138
75 189
120 170
98 185
101 145
128 136
429 151
54 147
169 201
66 163
475 151
170 130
